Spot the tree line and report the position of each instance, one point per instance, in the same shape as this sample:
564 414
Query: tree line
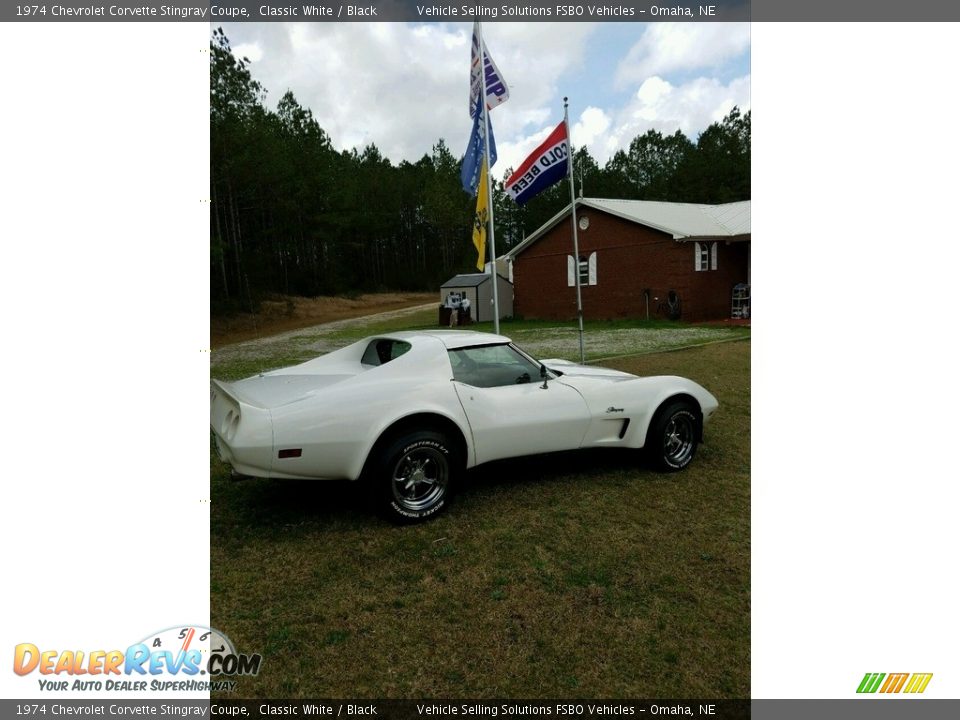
292 215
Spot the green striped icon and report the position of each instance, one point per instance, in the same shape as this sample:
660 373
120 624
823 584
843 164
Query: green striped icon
895 682
871 682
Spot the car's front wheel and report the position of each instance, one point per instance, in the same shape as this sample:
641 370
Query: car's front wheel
674 435
414 475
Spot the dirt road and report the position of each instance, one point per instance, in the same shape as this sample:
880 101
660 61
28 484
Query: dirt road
288 313
314 339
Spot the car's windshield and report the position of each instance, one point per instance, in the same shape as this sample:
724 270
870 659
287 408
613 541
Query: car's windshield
493 366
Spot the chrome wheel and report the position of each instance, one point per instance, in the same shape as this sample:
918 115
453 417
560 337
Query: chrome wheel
679 438
420 478
673 436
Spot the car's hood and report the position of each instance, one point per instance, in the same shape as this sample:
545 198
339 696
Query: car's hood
270 391
572 370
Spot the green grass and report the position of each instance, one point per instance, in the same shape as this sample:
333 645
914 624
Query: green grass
541 338
422 320
239 369
579 575
512 324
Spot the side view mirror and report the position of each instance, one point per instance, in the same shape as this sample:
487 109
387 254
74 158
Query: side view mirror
543 374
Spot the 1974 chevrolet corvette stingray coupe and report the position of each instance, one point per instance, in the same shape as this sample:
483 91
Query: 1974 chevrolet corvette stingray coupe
409 411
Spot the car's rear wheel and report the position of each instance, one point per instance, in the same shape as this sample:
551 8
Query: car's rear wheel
414 476
674 435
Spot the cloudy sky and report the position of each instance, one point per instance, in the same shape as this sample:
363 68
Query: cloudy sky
403 86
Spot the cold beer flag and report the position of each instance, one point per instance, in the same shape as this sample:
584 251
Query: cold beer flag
545 166
480 219
497 91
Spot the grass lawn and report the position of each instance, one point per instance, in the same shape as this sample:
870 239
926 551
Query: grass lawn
579 575
542 339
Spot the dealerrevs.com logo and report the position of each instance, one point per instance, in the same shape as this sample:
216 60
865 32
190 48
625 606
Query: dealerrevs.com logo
180 658
894 683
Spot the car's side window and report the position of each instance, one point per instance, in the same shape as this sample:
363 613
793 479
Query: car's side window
492 366
380 352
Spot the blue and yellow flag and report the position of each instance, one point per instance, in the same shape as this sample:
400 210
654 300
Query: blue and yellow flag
474 156
481 218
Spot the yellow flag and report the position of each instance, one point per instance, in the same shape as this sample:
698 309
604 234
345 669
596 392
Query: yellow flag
480 219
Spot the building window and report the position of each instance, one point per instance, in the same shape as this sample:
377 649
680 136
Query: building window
705 256
586 267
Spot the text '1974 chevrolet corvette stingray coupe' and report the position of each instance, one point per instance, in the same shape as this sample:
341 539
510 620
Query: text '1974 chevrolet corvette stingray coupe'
408 412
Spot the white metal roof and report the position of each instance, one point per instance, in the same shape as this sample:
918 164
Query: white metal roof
683 221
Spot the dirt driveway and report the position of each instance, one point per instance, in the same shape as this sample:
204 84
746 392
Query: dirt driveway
287 313
314 339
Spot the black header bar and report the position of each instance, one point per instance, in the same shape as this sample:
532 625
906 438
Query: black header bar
470 10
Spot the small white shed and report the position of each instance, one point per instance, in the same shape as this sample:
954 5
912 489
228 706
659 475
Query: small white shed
478 288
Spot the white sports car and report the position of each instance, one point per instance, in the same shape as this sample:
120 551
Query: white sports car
408 411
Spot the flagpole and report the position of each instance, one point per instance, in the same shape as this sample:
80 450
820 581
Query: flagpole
486 152
573 218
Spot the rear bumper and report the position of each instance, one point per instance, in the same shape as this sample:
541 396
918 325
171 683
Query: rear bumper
243 434
244 462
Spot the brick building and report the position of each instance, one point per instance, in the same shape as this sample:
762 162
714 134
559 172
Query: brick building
679 259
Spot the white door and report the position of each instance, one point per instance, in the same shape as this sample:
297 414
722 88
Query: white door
510 413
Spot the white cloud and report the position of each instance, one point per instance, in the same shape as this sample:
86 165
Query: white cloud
593 124
659 105
656 105
403 87
252 51
669 47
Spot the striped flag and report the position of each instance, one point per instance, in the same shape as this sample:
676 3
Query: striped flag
543 167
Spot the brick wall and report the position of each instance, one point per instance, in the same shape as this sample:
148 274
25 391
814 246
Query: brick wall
630 258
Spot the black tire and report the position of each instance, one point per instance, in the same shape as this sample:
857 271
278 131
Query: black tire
413 478
674 435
